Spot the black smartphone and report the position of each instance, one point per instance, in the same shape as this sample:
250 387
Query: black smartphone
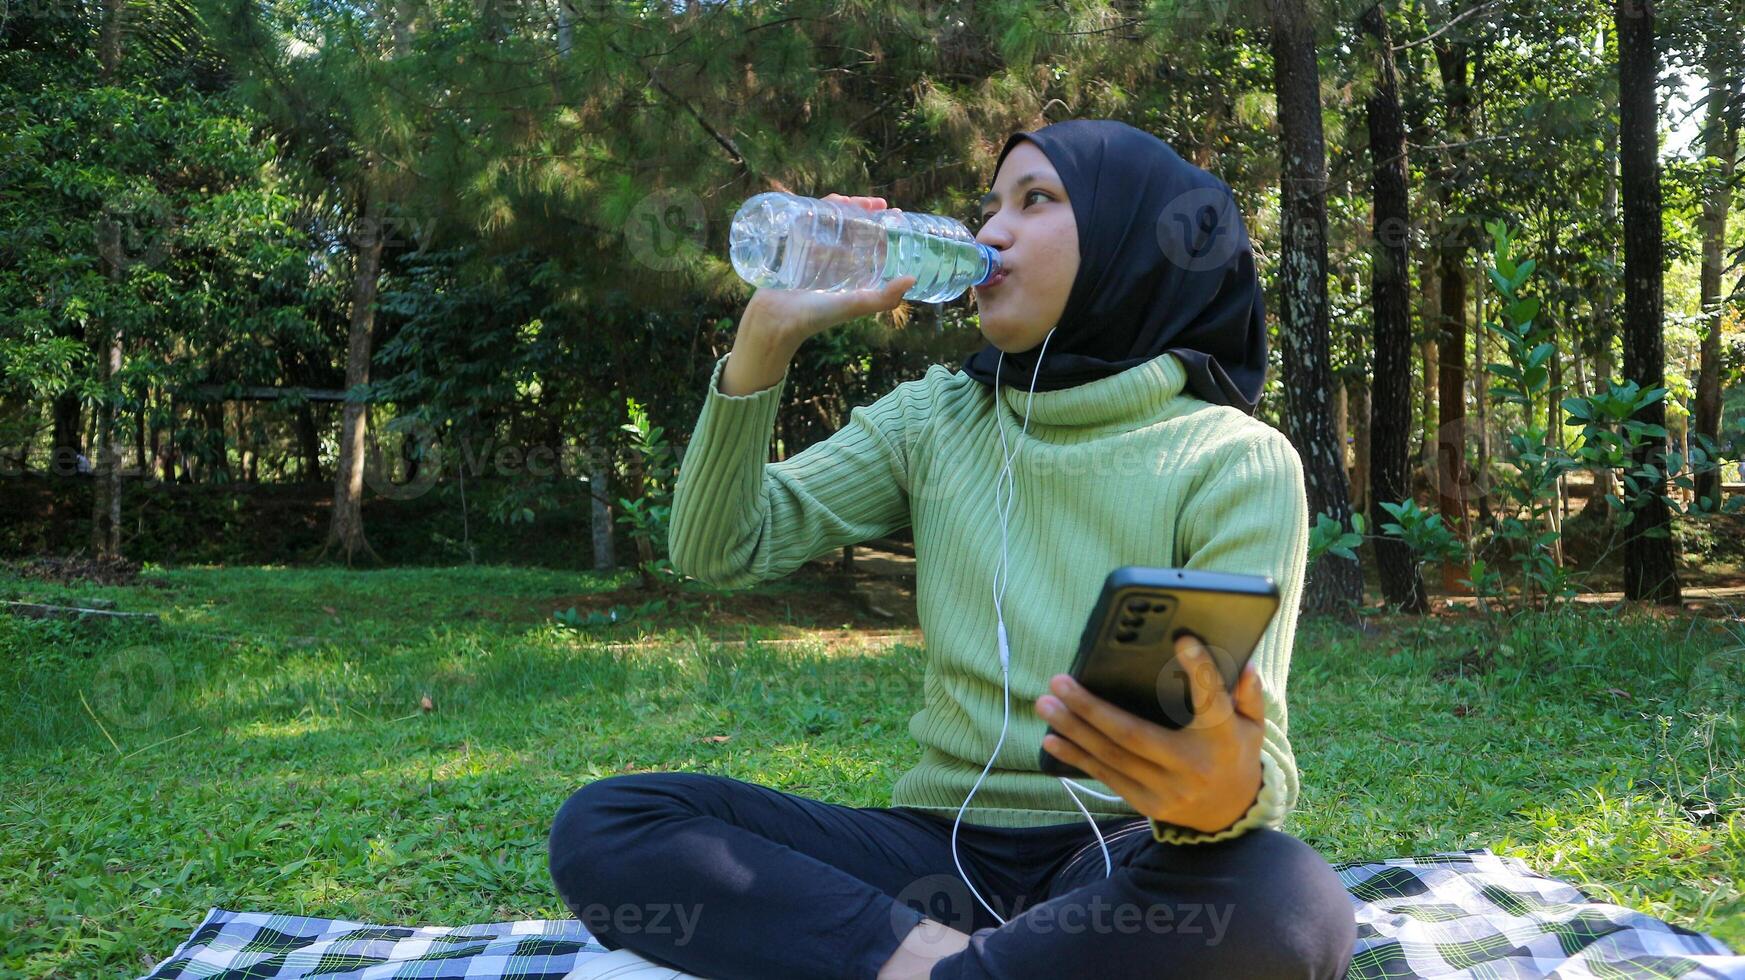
1126 655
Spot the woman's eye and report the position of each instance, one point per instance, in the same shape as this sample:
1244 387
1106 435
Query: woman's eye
990 214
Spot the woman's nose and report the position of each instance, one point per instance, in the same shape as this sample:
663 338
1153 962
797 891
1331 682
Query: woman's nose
990 234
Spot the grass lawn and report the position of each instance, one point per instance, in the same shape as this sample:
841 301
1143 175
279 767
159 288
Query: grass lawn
266 748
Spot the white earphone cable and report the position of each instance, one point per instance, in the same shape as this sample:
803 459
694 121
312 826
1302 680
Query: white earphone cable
1000 580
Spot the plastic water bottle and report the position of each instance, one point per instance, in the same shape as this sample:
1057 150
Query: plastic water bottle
785 241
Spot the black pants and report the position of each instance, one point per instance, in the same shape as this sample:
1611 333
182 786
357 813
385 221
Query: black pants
728 879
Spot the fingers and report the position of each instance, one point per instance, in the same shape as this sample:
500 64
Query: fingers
865 302
889 295
1212 703
869 203
1117 737
1116 779
1250 694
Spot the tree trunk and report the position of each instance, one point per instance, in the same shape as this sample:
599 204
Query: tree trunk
1554 412
1481 403
1430 362
1390 396
1334 584
171 451
1684 450
212 415
1360 420
183 465
1342 428
1606 320
242 448
1413 72
566 20
106 494
1722 145
1583 388
152 465
109 40
1452 478
308 444
599 472
142 465
1553 407
250 446
599 491
347 527
1649 569
68 439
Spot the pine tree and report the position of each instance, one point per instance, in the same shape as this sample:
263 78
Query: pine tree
1390 430
1335 584
1649 569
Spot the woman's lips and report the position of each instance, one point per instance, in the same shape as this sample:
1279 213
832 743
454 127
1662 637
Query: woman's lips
999 277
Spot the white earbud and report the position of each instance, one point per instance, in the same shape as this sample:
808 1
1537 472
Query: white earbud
1005 649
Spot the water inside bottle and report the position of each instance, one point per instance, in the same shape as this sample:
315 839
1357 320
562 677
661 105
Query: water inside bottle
942 266
777 245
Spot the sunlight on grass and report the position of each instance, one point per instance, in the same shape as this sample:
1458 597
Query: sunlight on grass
294 728
1639 851
272 752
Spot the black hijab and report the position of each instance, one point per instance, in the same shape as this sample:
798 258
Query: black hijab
1164 265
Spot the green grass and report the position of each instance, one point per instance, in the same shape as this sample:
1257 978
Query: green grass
265 748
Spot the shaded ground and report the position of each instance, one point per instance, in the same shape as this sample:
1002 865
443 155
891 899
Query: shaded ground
877 595
286 523
240 523
99 571
1725 602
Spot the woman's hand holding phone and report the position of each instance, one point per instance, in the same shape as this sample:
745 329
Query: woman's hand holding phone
1203 776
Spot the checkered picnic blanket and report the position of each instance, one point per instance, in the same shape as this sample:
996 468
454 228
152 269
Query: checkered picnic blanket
1481 916
1466 914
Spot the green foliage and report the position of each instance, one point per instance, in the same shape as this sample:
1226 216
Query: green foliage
210 279
1328 537
1612 439
1531 467
1612 435
650 516
1425 533
557 222
1532 464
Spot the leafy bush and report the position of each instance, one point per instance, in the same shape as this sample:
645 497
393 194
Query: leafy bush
650 516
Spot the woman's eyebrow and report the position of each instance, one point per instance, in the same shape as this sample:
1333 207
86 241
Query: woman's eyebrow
990 197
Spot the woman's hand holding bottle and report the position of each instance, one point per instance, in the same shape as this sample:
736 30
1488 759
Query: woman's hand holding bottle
777 321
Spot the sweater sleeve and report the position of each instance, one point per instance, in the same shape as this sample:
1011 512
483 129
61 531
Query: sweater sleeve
1253 517
738 519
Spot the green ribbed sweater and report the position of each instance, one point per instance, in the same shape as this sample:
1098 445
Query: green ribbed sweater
1128 469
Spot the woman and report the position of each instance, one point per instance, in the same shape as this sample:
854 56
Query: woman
1131 305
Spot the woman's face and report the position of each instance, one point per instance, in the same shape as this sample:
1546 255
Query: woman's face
1028 220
